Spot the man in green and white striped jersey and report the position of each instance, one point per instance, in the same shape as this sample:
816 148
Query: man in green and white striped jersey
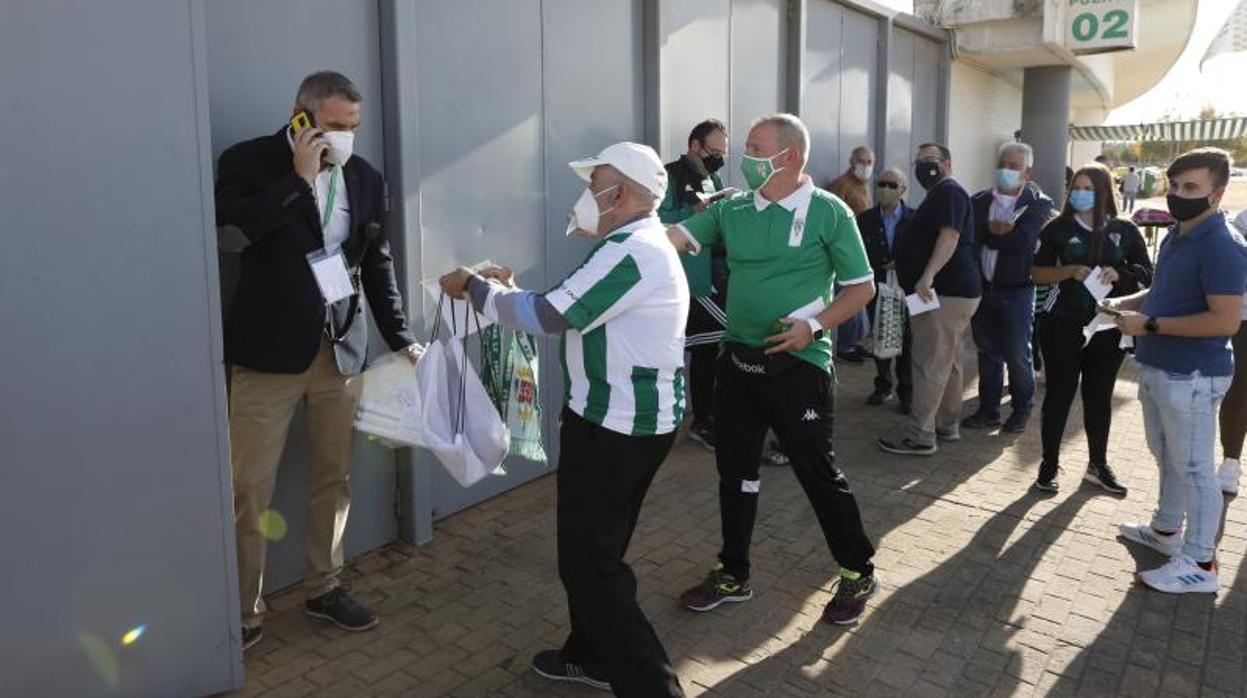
621 319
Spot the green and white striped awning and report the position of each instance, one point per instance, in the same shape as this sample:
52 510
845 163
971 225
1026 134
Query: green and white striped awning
1198 130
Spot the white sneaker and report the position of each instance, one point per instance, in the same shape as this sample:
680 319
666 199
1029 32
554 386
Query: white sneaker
1229 475
1144 534
1182 576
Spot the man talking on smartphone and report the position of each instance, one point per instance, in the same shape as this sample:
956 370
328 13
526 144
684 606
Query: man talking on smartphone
312 214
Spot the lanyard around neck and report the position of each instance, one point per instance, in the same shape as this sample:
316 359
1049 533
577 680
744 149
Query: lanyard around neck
333 192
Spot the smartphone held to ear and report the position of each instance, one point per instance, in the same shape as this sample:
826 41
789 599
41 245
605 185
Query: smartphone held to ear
301 121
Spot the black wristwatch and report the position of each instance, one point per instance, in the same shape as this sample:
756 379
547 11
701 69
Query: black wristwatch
1151 326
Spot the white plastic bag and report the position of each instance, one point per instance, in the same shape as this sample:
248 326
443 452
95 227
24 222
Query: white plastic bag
459 423
889 324
389 408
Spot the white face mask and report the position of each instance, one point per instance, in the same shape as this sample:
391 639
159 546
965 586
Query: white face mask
585 214
862 172
341 145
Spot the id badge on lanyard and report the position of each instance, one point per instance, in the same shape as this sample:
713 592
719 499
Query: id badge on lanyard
329 267
334 281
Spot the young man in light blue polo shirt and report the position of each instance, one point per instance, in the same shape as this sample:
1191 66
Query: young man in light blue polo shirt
1183 324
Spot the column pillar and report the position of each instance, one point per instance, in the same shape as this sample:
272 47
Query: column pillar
1045 123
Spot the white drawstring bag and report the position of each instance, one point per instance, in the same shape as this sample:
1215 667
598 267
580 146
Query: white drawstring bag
460 424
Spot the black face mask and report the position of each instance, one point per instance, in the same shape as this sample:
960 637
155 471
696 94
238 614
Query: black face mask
1185 209
927 173
713 163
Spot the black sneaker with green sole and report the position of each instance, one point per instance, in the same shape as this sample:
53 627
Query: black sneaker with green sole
852 592
717 588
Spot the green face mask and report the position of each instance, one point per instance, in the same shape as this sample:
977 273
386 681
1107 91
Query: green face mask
758 171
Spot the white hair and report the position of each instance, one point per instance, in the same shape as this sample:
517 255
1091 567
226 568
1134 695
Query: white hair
1027 152
898 173
792 132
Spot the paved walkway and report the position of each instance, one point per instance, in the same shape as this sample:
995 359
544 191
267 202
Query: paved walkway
987 588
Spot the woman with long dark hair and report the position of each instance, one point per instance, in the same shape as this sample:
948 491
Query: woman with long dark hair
1087 237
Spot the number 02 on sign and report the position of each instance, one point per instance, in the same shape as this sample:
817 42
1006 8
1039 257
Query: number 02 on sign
1100 26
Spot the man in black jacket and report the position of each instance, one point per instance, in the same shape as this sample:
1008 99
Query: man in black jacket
1007 221
692 185
880 225
298 200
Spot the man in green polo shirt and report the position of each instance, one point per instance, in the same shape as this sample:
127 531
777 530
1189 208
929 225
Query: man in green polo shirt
787 242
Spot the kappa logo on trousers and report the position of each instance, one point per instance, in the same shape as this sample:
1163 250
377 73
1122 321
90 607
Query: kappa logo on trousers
811 415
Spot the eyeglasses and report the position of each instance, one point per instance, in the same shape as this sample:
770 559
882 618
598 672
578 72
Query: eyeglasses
888 185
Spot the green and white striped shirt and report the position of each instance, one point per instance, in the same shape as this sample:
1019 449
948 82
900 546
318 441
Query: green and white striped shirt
623 359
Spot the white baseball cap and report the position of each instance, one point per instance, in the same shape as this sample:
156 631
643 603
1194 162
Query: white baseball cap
637 162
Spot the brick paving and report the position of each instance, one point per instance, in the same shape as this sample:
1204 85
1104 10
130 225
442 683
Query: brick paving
988 589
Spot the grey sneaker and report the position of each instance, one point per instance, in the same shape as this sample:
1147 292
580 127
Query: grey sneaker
1046 482
1170 544
251 636
903 446
1102 475
703 434
981 420
1016 423
550 664
339 608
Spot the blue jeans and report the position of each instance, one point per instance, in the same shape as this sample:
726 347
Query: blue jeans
851 332
1180 418
1002 329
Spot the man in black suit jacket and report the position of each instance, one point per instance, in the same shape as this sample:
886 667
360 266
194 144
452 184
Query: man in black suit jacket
292 195
880 225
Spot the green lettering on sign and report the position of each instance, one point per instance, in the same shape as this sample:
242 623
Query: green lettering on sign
1116 22
1085 26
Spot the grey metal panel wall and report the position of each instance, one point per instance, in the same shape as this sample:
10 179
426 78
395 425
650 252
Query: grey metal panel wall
841 62
758 44
820 108
902 115
695 60
579 123
858 82
721 59
258 53
913 99
113 421
927 79
481 187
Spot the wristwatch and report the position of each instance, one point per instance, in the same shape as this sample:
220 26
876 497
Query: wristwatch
816 328
1151 326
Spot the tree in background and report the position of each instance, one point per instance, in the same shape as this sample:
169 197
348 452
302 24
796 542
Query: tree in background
1162 152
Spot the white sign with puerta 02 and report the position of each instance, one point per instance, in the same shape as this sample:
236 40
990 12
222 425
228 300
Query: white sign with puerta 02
1099 26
